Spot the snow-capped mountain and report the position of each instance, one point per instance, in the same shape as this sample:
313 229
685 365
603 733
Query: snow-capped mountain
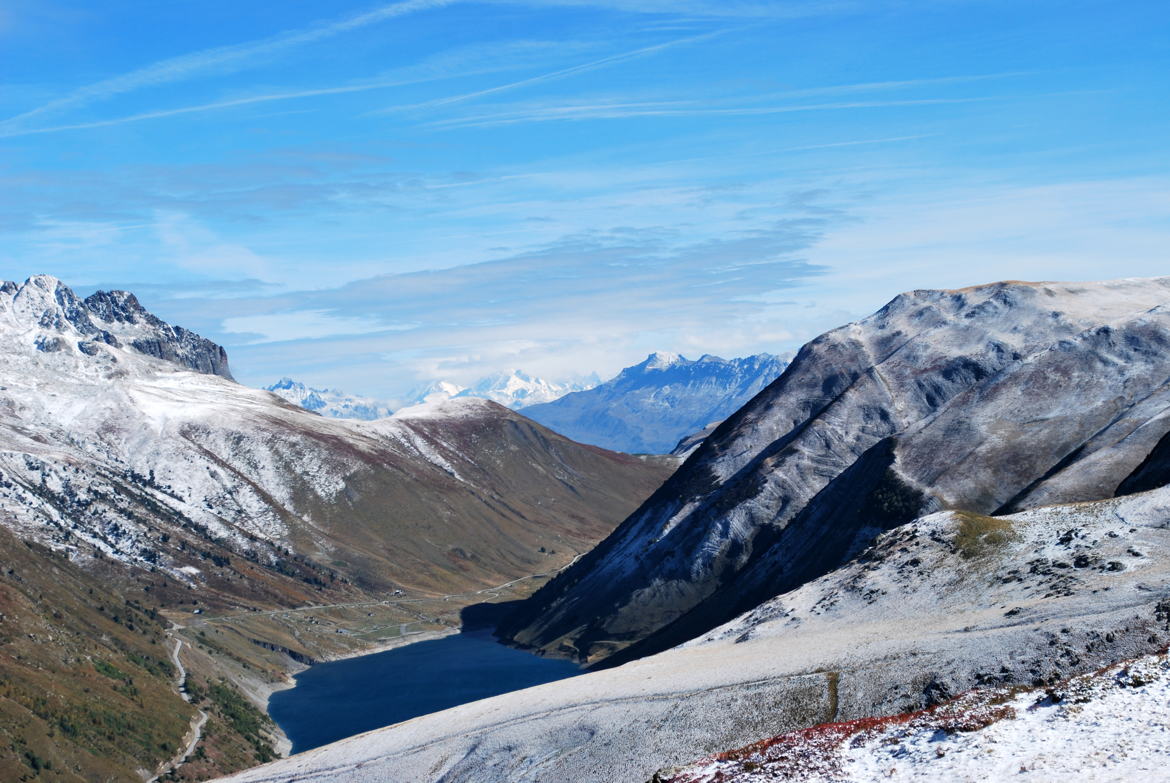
330 402
518 390
438 390
125 436
651 406
989 399
515 389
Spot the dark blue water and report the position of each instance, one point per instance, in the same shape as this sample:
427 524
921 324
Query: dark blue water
335 700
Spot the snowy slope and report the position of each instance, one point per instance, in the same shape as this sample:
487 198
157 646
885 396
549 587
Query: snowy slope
1109 725
936 607
651 406
124 438
989 399
330 402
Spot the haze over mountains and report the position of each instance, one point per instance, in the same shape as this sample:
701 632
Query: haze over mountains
515 390
651 406
968 488
126 448
647 408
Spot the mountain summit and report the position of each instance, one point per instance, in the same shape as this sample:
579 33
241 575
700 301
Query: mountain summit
651 406
45 314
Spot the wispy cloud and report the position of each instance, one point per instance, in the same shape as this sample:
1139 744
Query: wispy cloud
7 132
562 73
720 9
894 84
608 111
197 63
576 302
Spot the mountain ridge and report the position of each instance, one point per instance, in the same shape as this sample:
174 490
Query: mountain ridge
943 604
650 406
851 439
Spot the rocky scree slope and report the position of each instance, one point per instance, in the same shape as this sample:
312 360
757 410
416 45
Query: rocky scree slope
943 604
650 407
989 399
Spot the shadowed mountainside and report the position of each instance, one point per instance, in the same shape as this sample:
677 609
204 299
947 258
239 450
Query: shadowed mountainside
989 399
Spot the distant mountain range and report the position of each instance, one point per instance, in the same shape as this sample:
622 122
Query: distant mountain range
650 407
515 389
665 404
330 402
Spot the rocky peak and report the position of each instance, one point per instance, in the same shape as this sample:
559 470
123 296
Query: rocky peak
661 360
56 318
119 307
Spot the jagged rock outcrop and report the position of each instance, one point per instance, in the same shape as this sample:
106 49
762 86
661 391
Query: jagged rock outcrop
113 318
990 399
649 407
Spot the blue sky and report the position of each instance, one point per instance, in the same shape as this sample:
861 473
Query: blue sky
370 196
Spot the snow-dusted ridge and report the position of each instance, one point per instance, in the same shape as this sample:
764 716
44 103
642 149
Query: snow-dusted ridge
1108 725
990 399
124 437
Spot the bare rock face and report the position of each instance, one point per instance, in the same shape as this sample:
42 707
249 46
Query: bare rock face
115 318
154 337
991 399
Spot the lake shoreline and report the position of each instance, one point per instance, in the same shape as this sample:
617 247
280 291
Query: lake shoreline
260 692
399 680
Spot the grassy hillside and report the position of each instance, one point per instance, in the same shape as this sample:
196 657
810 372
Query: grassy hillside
86 682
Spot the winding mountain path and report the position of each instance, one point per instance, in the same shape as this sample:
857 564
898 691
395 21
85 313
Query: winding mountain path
196 731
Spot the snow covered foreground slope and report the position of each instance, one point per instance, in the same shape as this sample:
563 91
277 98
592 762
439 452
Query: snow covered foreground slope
124 438
936 607
1109 725
988 399
650 407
